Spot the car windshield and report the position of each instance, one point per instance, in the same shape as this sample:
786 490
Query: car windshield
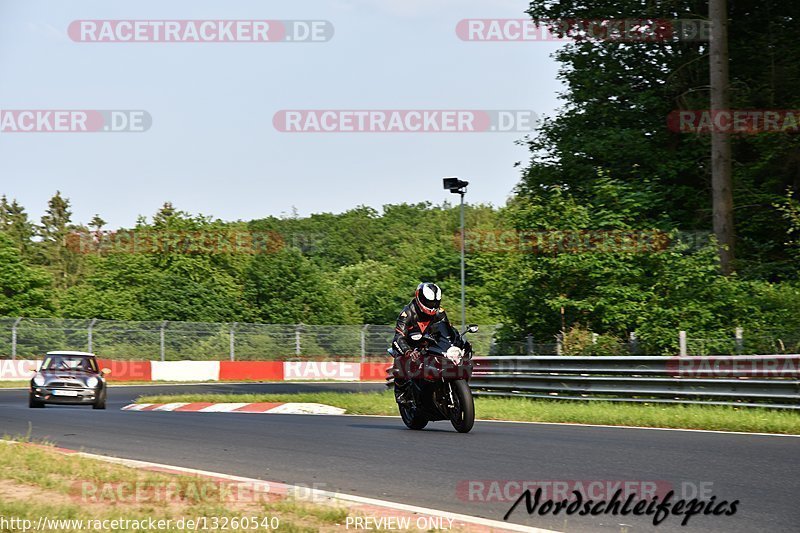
69 362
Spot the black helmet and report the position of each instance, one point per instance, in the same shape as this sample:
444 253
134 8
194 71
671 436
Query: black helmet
428 298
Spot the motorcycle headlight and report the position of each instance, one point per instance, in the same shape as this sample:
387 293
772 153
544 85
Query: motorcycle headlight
455 354
92 382
38 380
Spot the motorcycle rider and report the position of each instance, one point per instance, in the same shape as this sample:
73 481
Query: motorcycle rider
415 319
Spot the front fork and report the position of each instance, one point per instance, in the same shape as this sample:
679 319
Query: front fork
452 404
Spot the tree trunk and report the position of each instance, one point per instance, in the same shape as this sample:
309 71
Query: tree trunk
721 168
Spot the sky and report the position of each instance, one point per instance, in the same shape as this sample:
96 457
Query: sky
212 147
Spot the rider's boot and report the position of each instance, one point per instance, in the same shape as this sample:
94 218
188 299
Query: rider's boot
402 391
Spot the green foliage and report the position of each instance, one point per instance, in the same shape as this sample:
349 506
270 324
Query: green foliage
616 105
287 288
24 290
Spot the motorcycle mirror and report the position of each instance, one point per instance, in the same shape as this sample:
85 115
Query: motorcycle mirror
473 328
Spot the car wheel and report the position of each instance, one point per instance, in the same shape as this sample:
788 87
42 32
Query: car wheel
33 403
100 403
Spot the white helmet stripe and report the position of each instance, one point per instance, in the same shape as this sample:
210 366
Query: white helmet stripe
428 292
438 293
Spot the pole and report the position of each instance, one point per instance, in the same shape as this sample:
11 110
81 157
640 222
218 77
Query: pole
14 338
163 325
89 333
364 343
739 340
232 342
463 269
721 166
682 343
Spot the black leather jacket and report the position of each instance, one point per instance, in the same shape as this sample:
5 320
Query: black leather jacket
411 321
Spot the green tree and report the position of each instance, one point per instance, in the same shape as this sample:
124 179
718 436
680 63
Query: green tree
56 225
619 96
15 223
287 288
24 290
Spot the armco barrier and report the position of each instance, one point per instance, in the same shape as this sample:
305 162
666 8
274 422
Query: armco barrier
744 381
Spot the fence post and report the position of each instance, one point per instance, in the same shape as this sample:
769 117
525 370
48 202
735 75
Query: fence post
163 325
633 343
530 344
739 341
233 349
560 344
364 343
89 333
297 349
682 342
14 338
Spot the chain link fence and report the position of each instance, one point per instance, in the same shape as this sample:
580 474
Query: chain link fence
25 338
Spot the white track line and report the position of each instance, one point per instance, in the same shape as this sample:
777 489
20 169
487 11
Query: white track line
316 493
570 424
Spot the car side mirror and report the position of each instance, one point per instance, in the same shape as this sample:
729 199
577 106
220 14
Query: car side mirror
105 371
473 328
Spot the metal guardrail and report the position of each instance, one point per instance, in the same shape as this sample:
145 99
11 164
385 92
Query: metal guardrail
745 381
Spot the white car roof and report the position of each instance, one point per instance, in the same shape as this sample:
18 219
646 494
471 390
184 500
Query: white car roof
67 352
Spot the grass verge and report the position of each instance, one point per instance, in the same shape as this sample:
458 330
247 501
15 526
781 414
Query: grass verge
721 418
38 481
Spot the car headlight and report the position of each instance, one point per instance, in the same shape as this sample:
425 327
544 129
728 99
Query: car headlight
92 382
38 380
455 354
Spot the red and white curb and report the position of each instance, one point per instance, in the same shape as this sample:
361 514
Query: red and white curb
354 504
259 408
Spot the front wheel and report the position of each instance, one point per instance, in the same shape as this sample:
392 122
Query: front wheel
33 403
412 417
100 402
462 414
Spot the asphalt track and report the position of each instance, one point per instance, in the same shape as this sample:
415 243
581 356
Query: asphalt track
377 457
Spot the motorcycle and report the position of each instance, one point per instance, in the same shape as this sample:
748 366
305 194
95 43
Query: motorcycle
437 382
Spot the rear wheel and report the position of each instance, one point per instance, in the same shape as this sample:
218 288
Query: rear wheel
33 403
412 418
462 415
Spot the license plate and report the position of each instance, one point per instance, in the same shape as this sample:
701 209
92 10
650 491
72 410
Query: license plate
65 393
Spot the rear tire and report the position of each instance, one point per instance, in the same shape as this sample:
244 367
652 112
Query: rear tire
412 418
33 403
463 416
